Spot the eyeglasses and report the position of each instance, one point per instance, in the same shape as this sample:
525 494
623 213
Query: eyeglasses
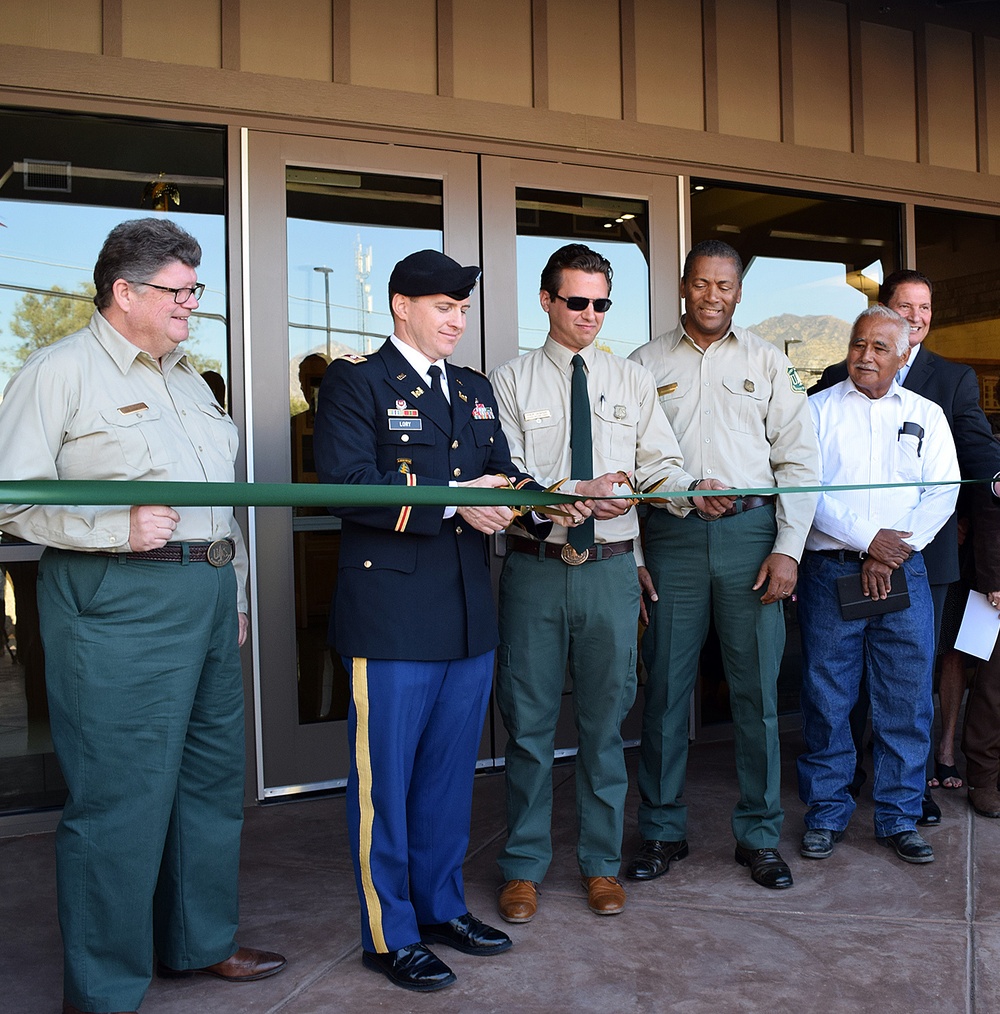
581 303
183 294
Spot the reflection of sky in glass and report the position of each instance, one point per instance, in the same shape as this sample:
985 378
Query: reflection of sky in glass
773 286
314 244
626 325
46 244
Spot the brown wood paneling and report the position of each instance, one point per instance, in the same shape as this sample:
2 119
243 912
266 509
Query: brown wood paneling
821 74
481 33
53 24
669 67
584 50
889 94
749 81
183 32
394 45
297 43
951 98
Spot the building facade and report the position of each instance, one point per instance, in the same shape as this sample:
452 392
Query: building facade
310 144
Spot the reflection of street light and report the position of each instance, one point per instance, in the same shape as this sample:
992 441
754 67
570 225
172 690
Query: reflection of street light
788 341
326 272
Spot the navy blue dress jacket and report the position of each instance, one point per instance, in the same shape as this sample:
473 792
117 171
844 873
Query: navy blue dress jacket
411 585
955 388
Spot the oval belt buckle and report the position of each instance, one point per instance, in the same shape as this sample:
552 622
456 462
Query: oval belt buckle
572 556
219 553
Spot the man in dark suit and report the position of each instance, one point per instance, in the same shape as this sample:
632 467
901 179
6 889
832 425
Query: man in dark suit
413 616
954 387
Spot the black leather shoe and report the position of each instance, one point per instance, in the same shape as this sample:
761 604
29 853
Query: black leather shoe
909 846
767 868
413 967
931 812
468 935
818 842
653 858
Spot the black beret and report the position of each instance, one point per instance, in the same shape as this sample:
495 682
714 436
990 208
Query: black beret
429 272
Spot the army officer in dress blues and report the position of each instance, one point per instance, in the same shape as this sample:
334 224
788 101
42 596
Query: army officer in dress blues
414 617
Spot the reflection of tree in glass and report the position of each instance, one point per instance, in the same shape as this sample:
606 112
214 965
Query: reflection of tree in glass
41 320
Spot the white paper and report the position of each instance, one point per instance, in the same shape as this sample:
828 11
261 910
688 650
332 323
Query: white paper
980 626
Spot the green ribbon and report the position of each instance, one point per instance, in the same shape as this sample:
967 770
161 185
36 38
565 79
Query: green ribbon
74 492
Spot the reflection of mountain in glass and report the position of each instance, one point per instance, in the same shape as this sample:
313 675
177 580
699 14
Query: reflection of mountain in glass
812 343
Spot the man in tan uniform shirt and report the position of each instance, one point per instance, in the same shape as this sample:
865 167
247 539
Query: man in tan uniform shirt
740 415
142 613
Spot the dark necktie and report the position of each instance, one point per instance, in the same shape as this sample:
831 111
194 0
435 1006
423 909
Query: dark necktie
581 538
436 390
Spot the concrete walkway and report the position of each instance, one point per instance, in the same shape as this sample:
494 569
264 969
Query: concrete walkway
860 931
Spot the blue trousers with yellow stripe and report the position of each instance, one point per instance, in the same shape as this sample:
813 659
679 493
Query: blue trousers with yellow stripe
413 731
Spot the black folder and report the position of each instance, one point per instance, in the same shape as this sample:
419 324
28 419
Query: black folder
855 605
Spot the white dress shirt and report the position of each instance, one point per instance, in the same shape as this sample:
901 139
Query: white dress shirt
860 442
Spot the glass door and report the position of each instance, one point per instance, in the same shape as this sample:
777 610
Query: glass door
631 218
328 222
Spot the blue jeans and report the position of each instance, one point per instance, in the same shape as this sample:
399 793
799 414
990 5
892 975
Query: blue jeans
899 652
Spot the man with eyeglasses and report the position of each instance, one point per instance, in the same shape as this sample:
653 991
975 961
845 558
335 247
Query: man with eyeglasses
741 416
142 611
572 410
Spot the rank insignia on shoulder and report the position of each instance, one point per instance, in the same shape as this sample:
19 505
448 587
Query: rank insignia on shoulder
793 379
666 389
481 411
353 357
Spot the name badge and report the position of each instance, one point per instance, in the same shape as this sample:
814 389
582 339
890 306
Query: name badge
542 413
406 424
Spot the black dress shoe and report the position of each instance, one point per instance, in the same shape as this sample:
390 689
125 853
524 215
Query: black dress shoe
653 858
412 967
930 811
818 842
468 935
909 846
767 868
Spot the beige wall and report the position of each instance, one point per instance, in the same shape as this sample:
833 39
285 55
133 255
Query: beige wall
827 90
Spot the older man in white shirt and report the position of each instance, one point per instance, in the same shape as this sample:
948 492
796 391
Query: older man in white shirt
871 431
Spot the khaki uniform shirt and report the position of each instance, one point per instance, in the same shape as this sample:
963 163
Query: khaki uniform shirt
741 415
94 406
630 433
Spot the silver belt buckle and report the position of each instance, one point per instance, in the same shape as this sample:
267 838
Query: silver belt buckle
219 553
573 557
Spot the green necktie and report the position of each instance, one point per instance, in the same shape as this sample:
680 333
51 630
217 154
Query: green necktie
581 442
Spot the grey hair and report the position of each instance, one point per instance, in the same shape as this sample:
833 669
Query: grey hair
880 312
135 250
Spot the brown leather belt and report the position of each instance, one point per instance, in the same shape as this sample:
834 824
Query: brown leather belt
551 551
742 505
217 553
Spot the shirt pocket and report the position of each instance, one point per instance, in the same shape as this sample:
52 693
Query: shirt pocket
614 434
144 438
908 461
743 403
220 438
543 444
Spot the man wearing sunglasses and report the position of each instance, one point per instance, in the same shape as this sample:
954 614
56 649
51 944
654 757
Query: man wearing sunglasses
741 415
142 612
575 594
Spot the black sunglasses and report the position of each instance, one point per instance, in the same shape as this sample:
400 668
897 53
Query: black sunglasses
581 303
